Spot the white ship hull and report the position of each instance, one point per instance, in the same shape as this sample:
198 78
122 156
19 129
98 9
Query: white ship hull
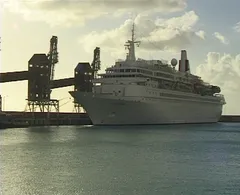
109 110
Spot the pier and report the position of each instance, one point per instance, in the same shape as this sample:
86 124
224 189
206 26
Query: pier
27 119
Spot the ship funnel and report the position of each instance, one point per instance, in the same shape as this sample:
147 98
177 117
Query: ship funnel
184 62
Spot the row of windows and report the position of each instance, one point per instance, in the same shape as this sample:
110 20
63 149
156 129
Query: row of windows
38 66
141 71
38 95
84 73
129 75
179 96
166 83
159 74
117 76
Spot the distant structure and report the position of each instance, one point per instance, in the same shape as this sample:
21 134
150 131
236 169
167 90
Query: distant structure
53 55
39 70
96 63
40 74
83 75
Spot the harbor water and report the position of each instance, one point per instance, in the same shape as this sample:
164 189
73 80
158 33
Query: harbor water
141 160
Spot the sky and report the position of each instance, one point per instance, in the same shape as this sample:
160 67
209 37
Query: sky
208 30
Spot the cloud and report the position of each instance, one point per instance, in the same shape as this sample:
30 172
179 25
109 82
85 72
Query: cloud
224 71
160 34
237 27
201 34
221 38
69 12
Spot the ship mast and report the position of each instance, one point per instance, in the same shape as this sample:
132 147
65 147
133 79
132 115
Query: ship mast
130 45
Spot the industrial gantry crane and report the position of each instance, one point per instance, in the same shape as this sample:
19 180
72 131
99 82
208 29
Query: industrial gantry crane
96 63
53 55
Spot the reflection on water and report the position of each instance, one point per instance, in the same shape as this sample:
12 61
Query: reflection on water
166 159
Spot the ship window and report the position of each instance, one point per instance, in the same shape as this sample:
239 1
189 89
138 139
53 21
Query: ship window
121 70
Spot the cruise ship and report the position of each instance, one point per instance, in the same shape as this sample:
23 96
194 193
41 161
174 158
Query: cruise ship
146 92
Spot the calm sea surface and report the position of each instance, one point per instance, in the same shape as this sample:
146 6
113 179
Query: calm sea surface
142 160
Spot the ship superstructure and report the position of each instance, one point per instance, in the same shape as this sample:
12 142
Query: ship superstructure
138 91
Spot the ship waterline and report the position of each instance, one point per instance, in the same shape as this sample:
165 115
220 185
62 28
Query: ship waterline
142 111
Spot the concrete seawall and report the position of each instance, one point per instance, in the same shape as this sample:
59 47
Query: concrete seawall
230 118
20 119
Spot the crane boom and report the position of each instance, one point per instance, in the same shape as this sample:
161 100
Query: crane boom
53 55
96 63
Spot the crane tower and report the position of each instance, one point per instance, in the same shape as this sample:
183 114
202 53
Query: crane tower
96 63
53 55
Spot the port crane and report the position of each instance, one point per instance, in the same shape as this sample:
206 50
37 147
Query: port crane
53 55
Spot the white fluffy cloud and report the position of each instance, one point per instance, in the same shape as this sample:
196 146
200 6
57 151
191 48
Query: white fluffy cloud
67 12
221 38
237 27
224 71
160 34
201 34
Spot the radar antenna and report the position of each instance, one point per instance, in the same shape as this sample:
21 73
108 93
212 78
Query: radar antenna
130 45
